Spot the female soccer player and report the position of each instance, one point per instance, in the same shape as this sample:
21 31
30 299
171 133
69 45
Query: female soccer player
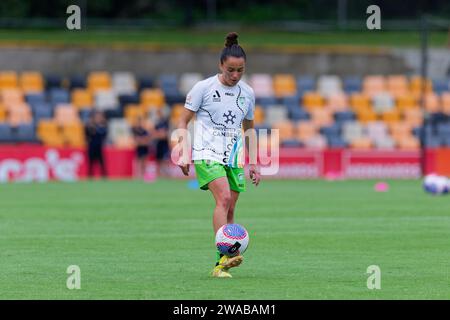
223 105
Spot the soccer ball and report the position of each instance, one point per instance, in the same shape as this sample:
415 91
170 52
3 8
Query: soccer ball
232 239
435 184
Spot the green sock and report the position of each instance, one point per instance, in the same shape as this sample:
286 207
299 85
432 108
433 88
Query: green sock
218 256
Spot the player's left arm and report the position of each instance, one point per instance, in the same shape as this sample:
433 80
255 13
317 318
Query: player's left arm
252 147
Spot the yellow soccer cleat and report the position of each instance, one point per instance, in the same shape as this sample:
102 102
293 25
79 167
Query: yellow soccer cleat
219 272
230 262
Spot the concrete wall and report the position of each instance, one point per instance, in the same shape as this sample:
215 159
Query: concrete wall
75 60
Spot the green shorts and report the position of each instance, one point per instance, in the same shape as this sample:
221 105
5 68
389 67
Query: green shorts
208 171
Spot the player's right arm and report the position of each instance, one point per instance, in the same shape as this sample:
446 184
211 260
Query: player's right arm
185 117
194 99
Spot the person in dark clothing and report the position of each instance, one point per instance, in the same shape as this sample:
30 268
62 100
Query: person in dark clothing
161 138
96 131
142 140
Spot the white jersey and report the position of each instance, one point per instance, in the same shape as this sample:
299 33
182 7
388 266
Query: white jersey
220 111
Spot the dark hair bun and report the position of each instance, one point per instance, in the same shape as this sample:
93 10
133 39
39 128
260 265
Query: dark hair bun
231 39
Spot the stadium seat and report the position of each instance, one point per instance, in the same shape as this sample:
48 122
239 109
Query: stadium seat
123 83
77 81
383 102
299 114
441 85
352 84
391 116
316 142
306 130
376 130
360 101
328 85
20 114
312 100
34 98
2 113
152 98
275 114
25 133
432 103
352 130
291 102
321 117
8 80
416 83
445 102
66 114
338 102
336 142
175 113
385 143
399 130
106 100
366 116
11 96
82 99
363 143
259 117
5 133
397 85
42 111
286 130
98 80
373 85
31 81
404 102
146 82
305 84
266 102
262 85
413 117
58 95
343 116
73 134
284 85
408 143
53 81
188 80
133 112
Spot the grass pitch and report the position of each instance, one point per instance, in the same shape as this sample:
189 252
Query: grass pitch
308 240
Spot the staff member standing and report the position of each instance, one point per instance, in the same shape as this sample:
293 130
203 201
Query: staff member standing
96 131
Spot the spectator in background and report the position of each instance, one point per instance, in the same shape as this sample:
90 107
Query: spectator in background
161 138
96 131
142 140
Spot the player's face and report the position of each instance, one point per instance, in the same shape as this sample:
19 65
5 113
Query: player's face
232 70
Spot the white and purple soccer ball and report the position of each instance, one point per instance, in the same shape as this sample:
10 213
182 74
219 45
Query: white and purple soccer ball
232 239
436 184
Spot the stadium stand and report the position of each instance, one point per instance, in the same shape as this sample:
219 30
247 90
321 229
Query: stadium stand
372 112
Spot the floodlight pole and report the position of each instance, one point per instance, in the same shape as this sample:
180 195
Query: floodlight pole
424 73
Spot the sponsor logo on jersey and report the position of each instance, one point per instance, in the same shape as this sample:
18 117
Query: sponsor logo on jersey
231 94
229 117
216 97
241 102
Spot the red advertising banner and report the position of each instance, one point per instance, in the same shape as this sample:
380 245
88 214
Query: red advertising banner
38 163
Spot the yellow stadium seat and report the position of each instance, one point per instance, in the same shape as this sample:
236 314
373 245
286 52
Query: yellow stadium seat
284 85
406 102
99 80
175 113
259 115
366 115
133 112
82 99
399 130
391 116
73 134
360 101
152 98
416 84
312 100
8 80
31 81
2 113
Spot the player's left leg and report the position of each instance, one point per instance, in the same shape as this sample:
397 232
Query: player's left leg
234 199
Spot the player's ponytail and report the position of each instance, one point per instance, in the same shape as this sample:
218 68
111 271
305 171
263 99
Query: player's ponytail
232 48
